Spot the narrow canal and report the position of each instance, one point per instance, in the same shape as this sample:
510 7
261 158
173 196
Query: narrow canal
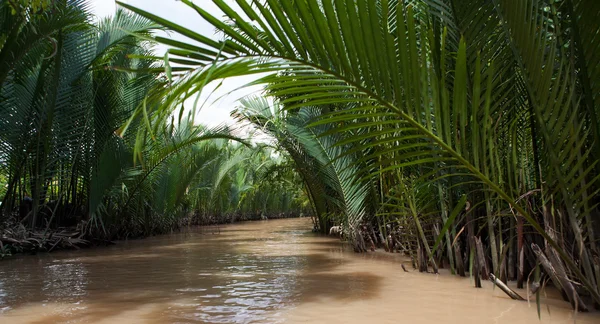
257 272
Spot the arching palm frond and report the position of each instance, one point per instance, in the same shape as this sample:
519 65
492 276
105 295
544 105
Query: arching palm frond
444 90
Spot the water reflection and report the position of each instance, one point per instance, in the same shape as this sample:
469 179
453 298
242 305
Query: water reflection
271 272
64 281
238 276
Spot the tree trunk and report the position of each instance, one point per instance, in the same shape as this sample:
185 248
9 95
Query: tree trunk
423 259
483 267
511 251
460 264
475 263
520 252
492 239
503 270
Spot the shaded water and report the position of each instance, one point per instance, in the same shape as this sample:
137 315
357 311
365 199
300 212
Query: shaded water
262 272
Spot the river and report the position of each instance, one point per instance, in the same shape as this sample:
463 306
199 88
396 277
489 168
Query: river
257 272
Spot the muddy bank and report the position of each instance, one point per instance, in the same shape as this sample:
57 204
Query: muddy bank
16 239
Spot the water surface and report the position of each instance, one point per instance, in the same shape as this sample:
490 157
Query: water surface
257 272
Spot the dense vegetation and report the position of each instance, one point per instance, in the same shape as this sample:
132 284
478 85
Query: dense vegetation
73 153
461 132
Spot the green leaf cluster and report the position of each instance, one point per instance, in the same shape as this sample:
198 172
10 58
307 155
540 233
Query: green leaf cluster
431 101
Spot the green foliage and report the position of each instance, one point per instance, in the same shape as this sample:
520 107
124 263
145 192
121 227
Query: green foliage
330 182
239 182
3 185
76 102
430 101
18 6
432 120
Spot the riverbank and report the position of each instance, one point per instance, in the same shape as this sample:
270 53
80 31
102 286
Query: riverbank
16 239
273 271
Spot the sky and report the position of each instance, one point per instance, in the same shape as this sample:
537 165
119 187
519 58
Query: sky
213 113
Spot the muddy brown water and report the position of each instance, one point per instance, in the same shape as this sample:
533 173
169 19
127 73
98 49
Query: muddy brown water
257 272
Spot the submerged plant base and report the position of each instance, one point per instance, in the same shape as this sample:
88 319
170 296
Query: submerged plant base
16 239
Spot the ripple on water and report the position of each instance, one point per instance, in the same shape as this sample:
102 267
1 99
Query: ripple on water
191 289
269 272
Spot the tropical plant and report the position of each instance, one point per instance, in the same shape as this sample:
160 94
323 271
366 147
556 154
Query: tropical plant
62 101
244 183
492 100
35 6
73 133
332 183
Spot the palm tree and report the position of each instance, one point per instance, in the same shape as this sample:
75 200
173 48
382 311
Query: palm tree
493 100
64 101
332 182
242 182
